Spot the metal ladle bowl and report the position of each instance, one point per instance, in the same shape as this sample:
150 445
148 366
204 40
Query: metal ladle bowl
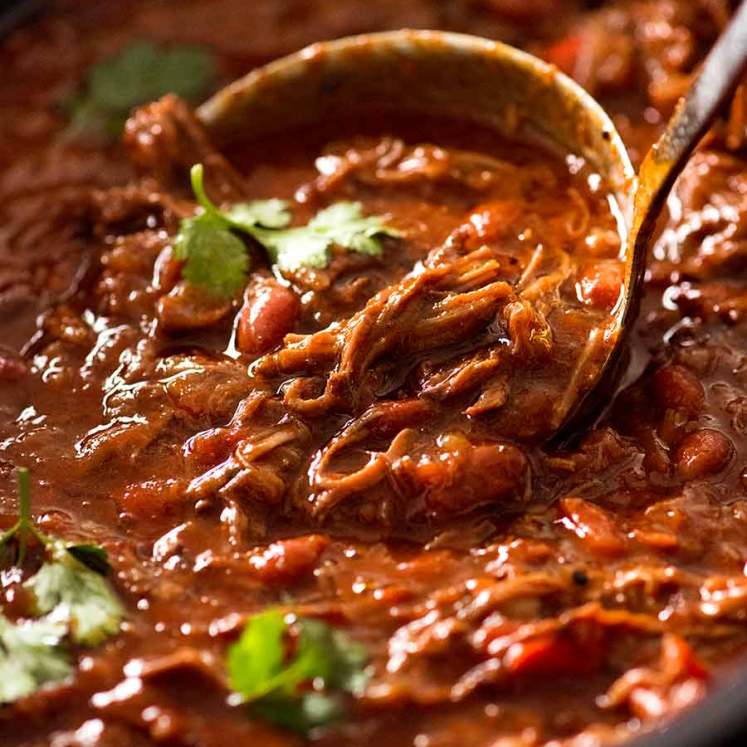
521 97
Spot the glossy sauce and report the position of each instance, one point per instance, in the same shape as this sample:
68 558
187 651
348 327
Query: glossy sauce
573 596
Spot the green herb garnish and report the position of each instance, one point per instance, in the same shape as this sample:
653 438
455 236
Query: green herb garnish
139 73
32 655
302 691
69 589
217 260
24 526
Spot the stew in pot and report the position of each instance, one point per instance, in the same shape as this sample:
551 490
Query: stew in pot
274 415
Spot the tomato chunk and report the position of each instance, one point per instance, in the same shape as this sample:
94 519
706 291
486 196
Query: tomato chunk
593 526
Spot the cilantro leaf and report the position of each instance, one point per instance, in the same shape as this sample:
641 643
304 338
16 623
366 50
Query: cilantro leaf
214 258
334 656
342 224
292 249
139 73
30 656
217 260
72 592
93 556
244 216
301 714
265 213
255 659
279 690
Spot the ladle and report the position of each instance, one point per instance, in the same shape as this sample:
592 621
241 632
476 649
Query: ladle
446 74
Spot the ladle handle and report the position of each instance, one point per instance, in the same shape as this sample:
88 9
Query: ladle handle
693 115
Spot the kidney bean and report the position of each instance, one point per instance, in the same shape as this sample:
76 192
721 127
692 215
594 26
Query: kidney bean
167 270
12 366
268 314
702 453
601 284
675 387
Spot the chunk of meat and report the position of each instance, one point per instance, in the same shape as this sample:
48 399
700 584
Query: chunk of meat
186 307
675 682
165 139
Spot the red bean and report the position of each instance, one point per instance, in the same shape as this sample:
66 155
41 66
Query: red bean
268 314
601 284
12 367
677 388
702 453
167 270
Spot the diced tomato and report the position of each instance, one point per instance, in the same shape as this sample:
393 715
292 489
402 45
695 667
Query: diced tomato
152 499
564 53
288 560
212 445
679 659
593 526
554 654
492 221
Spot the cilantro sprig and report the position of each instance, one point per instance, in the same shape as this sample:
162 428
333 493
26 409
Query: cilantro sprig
69 590
217 260
24 526
301 691
32 655
139 73
70 597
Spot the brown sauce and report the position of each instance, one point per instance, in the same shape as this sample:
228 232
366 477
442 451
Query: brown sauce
394 483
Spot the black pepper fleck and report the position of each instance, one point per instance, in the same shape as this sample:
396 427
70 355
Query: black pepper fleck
579 578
